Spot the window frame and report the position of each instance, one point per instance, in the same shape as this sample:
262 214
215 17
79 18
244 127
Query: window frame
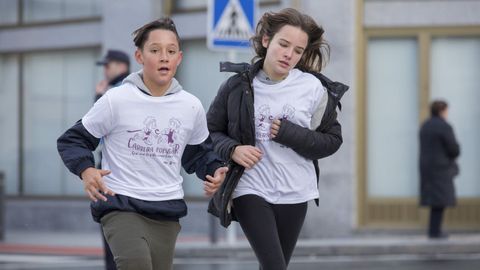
404 211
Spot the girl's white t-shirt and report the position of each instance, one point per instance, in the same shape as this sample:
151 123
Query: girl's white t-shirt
282 176
144 139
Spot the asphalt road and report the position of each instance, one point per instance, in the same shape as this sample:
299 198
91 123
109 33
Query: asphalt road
396 262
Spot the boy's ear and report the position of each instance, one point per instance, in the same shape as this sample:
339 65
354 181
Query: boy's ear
180 58
139 56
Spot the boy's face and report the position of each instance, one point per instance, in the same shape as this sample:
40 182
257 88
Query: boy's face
160 57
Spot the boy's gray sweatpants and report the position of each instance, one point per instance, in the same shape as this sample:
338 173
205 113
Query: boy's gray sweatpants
138 242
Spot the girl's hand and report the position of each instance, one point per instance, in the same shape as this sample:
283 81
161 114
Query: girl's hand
247 155
274 128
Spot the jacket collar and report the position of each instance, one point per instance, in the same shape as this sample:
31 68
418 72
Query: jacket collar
336 89
254 69
118 79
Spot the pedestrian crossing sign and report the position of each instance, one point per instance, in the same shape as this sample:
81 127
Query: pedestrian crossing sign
230 24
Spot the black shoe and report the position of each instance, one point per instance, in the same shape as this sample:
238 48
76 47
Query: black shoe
438 236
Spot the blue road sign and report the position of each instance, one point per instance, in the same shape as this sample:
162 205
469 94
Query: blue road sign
231 23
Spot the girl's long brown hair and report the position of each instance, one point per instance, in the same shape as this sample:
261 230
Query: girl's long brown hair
317 52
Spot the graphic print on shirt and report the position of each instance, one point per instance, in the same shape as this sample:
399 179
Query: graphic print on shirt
264 119
154 141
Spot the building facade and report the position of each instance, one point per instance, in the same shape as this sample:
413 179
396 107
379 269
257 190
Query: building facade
396 56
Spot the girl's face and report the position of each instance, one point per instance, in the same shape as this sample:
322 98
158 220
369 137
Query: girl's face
284 51
160 58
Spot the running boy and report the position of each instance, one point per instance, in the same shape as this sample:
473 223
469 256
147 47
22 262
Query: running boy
137 197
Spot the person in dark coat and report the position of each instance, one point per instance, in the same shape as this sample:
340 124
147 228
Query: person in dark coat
438 153
116 67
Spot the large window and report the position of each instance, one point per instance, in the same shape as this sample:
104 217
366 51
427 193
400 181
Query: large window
15 12
393 106
58 91
455 70
57 10
406 69
41 95
8 12
392 117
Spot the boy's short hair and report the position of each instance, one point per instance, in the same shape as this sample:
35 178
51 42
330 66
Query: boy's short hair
141 34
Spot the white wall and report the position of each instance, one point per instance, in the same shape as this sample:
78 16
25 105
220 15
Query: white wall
422 13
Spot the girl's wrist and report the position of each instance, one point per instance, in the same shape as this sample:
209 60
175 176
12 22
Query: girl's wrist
233 151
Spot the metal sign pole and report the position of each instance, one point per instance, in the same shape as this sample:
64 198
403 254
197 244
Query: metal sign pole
230 25
2 206
232 229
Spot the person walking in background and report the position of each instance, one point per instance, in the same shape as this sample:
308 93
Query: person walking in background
137 196
116 67
438 153
273 121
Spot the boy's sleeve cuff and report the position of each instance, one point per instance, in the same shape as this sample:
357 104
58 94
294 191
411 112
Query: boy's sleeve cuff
82 166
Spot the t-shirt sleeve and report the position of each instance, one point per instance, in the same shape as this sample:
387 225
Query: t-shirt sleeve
320 95
319 105
200 129
98 120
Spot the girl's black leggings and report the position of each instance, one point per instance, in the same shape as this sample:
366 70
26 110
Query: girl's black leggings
271 229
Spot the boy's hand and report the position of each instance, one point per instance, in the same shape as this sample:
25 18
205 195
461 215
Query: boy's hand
93 184
213 183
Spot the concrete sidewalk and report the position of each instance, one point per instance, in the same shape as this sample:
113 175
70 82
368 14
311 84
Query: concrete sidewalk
89 244
355 246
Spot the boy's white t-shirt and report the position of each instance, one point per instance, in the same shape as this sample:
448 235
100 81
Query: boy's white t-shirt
282 176
144 139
